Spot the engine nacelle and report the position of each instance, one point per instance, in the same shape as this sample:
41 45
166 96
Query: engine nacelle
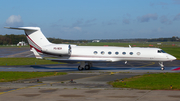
57 49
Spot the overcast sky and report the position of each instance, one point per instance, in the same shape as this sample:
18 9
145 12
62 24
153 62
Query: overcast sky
93 19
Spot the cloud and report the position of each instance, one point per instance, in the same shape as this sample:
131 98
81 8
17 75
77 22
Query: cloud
71 29
126 18
126 21
162 3
111 22
147 17
128 15
83 23
14 20
157 30
57 23
77 28
78 23
165 20
152 4
176 2
177 17
91 20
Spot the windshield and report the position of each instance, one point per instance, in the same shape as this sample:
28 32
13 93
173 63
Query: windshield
161 51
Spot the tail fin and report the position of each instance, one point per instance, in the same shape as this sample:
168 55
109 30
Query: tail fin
35 37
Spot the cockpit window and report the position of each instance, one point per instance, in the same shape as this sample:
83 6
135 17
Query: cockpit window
161 51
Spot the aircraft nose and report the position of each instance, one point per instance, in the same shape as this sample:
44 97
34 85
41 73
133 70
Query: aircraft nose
172 57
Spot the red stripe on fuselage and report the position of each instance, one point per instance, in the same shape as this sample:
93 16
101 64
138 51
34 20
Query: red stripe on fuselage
34 43
36 49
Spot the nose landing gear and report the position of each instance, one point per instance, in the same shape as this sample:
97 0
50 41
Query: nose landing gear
162 66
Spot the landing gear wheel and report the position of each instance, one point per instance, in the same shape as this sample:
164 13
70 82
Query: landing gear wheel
80 68
87 67
162 66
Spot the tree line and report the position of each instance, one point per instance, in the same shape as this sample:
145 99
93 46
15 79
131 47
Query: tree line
14 39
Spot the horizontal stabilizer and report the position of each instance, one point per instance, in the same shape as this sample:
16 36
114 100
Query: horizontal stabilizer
24 28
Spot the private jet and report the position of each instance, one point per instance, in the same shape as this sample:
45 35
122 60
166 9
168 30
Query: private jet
87 55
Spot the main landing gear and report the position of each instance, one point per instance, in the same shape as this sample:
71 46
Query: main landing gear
162 66
84 66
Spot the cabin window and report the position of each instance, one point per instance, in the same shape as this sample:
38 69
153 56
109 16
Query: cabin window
102 52
138 53
116 53
124 53
95 52
131 53
109 53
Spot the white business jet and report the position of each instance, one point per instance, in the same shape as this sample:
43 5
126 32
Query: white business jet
86 55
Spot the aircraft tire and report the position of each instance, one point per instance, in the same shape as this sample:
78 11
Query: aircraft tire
87 67
80 68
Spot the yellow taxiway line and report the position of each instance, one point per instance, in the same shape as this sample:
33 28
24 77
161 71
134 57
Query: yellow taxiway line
20 89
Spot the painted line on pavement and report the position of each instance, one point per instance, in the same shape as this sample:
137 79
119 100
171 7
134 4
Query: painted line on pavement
80 78
21 88
152 63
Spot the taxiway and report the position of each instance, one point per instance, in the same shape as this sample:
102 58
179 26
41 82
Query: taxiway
83 85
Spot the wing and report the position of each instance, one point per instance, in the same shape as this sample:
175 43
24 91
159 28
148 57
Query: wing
76 60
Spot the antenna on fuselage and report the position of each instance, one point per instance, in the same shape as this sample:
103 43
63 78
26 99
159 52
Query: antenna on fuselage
129 46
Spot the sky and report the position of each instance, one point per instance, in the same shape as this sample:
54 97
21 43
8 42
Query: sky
93 19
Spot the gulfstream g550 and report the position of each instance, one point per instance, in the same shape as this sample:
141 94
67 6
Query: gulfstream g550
86 55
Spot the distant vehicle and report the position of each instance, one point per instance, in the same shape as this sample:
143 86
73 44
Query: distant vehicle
87 55
22 43
96 41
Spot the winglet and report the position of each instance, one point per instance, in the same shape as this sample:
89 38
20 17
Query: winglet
36 54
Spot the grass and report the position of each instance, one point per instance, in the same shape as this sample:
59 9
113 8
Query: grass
24 61
13 76
160 81
136 44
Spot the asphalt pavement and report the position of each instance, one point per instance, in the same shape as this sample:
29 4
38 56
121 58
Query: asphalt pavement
83 85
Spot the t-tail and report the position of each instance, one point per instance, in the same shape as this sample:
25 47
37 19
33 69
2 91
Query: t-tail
34 36
40 45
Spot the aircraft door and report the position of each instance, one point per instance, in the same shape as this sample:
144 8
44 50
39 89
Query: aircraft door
69 49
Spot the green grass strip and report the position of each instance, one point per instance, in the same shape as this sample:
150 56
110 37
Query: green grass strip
161 81
24 61
13 76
